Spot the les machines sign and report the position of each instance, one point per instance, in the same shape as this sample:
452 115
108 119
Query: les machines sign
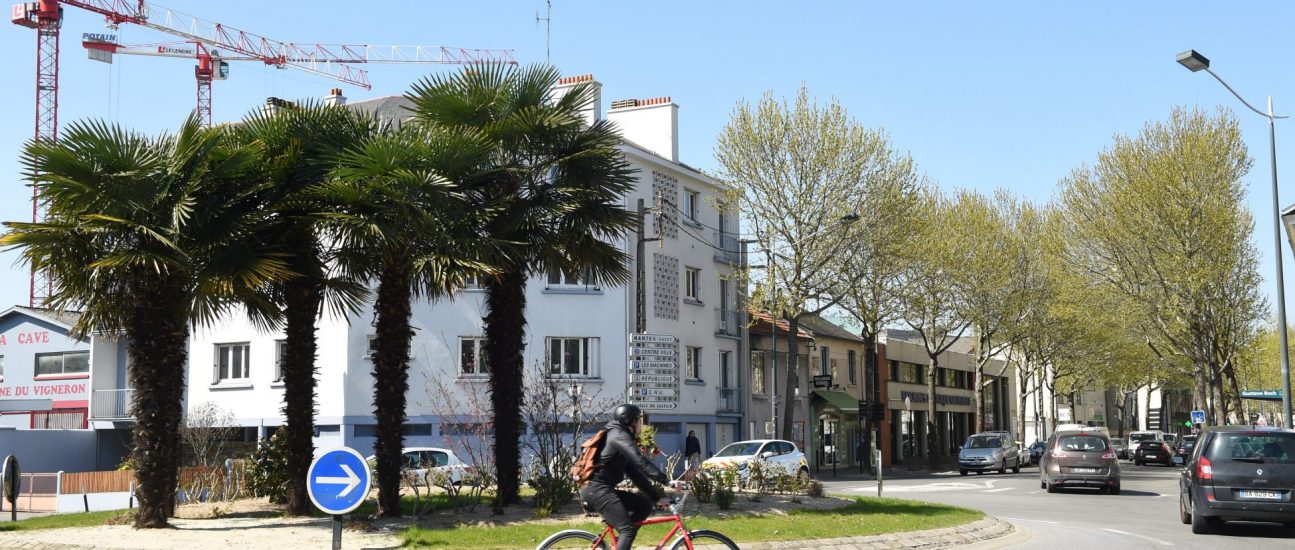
653 371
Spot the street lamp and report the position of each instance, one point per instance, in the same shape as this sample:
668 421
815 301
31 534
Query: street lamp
1195 62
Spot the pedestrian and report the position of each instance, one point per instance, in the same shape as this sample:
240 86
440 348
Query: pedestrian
620 458
692 450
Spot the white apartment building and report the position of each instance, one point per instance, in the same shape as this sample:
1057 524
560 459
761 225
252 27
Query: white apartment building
576 327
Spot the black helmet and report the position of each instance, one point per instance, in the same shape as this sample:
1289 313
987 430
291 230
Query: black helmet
626 414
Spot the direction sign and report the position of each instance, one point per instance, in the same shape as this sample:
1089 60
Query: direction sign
667 392
654 379
1198 417
657 405
671 364
637 398
636 338
673 371
338 480
636 351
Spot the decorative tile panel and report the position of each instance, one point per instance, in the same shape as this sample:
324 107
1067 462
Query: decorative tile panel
666 187
665 286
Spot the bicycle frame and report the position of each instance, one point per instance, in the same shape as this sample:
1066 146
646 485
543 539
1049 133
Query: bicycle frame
609 534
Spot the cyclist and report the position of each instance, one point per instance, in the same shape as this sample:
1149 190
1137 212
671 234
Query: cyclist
620 458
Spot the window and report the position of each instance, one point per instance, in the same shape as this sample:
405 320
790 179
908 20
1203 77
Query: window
231 362
850 366
911 373
823 360
279 347
472 281
56 364
557 278
573 356
692 363
894 370
472 359
757 371
692 283
691 204
723 295
1 368
725 377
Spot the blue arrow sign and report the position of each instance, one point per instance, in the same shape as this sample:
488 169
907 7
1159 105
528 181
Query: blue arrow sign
338 480
1198 417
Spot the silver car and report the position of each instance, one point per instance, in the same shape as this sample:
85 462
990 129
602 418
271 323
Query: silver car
989 451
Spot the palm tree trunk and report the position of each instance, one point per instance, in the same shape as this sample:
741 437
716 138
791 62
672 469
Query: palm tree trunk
156 334
302 297
505 332
391 383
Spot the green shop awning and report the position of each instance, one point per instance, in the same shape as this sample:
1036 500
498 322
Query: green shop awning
839 399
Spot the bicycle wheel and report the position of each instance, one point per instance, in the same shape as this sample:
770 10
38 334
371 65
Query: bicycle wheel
704 540
571 539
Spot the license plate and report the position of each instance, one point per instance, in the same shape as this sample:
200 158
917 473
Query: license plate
1084 470
1268 495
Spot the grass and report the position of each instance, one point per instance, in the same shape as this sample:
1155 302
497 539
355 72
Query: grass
865 516
58 521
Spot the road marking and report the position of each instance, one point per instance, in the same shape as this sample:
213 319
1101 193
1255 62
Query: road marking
1137 536
1027 519
997 490
1035 492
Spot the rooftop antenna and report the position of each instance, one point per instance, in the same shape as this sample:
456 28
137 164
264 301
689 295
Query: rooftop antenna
548 29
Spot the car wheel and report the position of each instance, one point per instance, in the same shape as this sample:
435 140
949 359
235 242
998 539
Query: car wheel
1183 516
963 472
1043 484
1002 468
1017 469
803 476
1137 462
1115 490
980 472
1202 525
1050 487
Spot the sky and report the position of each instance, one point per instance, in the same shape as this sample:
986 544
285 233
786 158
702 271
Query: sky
983 95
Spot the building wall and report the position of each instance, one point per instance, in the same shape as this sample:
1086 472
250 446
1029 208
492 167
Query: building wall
29 399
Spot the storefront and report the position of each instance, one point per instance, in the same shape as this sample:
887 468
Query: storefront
835 441
44 373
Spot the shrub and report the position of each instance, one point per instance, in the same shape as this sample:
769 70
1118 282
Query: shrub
703 486
268 475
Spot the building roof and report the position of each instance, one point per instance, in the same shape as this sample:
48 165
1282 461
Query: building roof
964 345
827 328
64 319
761 323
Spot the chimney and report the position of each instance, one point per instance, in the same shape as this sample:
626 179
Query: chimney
273 104
335 98
593 111
650 123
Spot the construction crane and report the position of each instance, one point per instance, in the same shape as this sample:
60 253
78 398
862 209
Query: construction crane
326 60
212 65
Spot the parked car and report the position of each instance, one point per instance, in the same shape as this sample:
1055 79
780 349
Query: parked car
1238 473
1121 446
782 457
1157 452
417 461
1185 449
989 451
1036 452
1080 458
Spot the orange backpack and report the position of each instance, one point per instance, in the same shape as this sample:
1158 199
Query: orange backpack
583 469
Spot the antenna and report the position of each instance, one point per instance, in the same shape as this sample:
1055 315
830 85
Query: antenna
548 29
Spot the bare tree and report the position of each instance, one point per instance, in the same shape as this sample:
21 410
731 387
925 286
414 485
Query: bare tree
207 427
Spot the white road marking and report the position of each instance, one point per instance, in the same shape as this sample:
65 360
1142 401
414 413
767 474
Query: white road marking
1137 536
997 490
1034 520
927 488
1035 492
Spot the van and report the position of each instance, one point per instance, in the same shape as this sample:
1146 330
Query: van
1136 438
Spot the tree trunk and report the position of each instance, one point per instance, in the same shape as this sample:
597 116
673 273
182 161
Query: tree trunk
793 379
934 439
302 298
1022 395
871 387
978 396
1234 395
156 336
505 332
391 383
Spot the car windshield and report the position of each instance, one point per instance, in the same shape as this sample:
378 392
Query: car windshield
1085 443
1138 438
982 442
742 448
1152 444
1278 448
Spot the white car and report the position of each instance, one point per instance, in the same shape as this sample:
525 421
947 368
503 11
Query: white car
415 462
780 457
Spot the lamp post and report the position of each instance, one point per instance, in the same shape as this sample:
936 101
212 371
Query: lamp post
1195 62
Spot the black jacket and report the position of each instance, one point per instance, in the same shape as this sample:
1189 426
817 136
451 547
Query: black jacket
620 459
692 446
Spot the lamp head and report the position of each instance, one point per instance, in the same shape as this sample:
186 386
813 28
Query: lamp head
1193 60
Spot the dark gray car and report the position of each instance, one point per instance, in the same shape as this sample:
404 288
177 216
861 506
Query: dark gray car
989 451
1080 458
1239 473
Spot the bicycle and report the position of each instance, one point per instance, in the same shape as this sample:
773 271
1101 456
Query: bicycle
579 538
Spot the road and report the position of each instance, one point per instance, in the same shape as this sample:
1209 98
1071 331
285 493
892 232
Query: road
1143 515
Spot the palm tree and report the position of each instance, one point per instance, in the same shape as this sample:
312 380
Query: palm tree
299 144
555 187
147 236
399 219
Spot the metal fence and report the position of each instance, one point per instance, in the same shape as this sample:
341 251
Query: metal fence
111 404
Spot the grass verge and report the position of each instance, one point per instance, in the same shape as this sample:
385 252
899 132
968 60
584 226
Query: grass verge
865 516
58 521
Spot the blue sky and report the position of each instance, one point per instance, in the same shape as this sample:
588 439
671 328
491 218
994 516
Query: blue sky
982 94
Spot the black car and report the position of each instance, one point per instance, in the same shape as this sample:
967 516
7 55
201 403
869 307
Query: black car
1239 473
1185 447
1155 451
1036 452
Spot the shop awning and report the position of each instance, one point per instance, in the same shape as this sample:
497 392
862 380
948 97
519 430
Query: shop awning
839 399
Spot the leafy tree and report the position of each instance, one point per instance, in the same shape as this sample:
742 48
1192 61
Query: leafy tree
797 171
400 219
555 188
298 144
148 235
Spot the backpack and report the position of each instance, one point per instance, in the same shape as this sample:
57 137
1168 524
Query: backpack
583 469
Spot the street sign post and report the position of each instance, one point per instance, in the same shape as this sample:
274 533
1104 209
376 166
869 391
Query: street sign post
653 371
1198 417
12 480
338 481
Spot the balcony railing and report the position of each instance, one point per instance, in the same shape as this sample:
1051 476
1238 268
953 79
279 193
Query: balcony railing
111 404
730 400
726 248
727 322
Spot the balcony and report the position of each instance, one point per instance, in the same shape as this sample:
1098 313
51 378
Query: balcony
728 322
730 400
726 248
111 404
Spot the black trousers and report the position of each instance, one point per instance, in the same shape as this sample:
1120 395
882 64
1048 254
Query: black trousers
620 509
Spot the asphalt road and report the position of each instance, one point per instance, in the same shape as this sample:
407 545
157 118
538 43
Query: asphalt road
1143 515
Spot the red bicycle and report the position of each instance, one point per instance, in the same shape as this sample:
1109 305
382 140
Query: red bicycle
577 538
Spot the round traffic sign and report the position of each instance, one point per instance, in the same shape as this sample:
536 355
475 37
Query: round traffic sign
10 478
338 480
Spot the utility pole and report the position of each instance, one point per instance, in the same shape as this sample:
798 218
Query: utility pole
548 30
640 271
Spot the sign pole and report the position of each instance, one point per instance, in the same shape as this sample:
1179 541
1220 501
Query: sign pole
337 532
338 482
